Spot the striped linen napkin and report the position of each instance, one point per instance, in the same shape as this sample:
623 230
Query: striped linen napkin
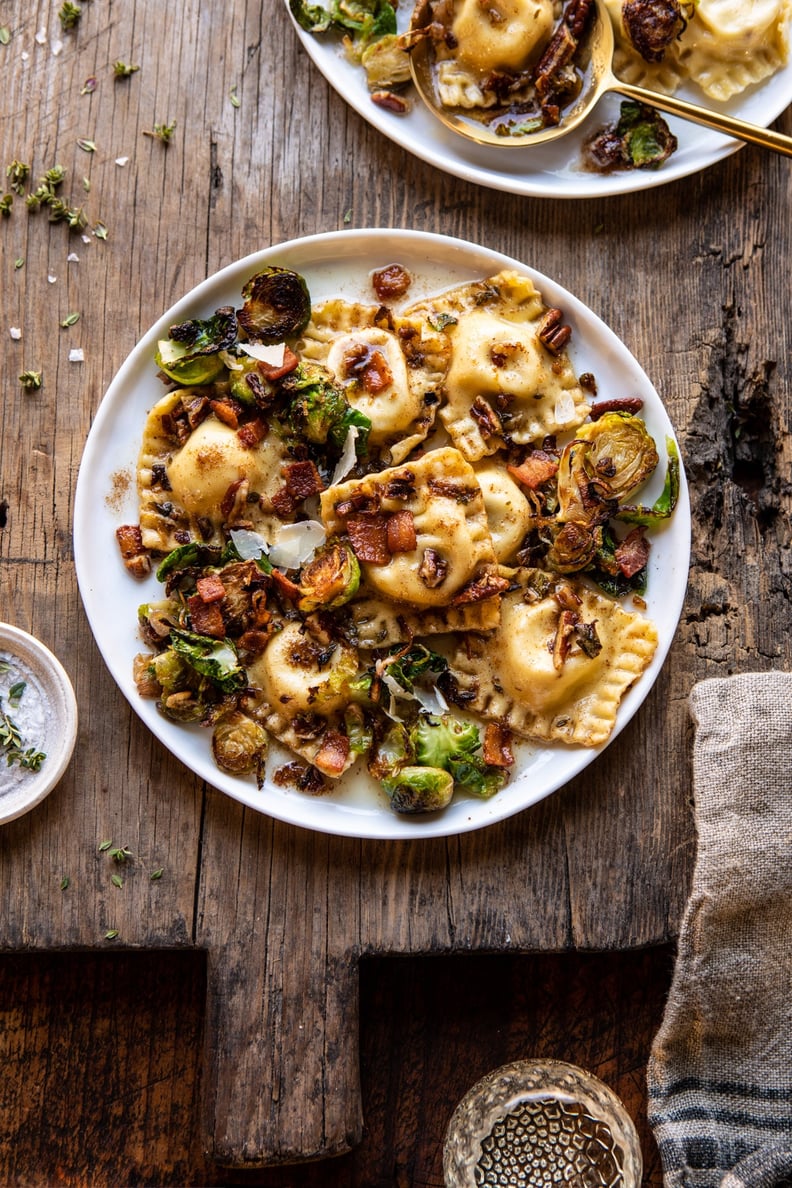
720 1070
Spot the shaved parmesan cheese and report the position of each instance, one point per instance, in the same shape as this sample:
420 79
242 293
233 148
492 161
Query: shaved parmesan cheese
348 456
249 545
297 544
564 410
273 355
431 700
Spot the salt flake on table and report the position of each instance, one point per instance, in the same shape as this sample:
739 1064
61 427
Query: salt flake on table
121 160
41 37
24 55
76 355
52 279
72 258
15 333
57 48
85 238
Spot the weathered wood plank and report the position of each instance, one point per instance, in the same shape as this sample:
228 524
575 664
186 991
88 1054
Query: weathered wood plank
691 276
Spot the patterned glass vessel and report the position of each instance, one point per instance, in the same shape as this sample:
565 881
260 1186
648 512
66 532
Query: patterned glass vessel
541 1122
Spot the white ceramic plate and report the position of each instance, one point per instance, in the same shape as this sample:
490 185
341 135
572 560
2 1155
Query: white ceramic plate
340 263
551 170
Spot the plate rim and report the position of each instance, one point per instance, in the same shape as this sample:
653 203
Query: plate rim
383 825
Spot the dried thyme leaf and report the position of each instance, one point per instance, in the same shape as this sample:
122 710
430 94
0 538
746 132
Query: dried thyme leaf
5 34
162 132
64 883
69 15
30 380
87 146
116 880
235 100
123 70
105 845
100 231
157 874
111 934
6 202
70 319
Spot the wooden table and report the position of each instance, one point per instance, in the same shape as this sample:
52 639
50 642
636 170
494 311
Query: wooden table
694 277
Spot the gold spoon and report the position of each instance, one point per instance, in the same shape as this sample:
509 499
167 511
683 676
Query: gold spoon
599 79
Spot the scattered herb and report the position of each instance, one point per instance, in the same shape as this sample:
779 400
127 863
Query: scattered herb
123 69
17 173
162 132
157 874
70 319
15 693
121 854
100 231
105 845
19 262
235 100
69 15
88 87
5 34
4 666
116 880
12 747
87 146
30 380
348 216
6 202
111 934
61 212
64 883
87 185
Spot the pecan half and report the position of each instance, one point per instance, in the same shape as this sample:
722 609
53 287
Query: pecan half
433 569
552 334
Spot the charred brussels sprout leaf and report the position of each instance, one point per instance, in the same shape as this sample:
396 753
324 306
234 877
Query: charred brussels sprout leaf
439 740
621 454
330 580
191 355
366 20
239 745
277 305
213 658
474 776
319 411
606 573
419 789
417 662
653 517
217 333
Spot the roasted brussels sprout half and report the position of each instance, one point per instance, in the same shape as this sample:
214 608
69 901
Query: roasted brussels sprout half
365 20
608 459
574 546
239 745
191 354
330 580
386 63
419 789
319 412
277 305
438 740
661 509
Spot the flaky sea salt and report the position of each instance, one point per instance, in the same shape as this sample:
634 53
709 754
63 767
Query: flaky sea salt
41 37
72 258
121 160
52 278
15 333
76 355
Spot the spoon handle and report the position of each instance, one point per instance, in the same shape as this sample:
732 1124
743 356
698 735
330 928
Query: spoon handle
672 105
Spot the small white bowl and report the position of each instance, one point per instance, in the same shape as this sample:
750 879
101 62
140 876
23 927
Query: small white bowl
21 790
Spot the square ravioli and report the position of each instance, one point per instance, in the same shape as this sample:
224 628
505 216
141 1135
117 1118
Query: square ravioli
390 369
558 665
504 384
421 536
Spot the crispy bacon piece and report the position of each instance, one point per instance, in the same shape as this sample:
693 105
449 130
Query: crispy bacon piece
284 503
364 505
273 373
632 553
497 746
135 557
210 588
489 585
252 433
302 480
400 532
285 586
368 536
332 755
227 411
628 404
537 468
207 618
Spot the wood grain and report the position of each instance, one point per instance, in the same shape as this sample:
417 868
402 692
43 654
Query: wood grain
693 277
